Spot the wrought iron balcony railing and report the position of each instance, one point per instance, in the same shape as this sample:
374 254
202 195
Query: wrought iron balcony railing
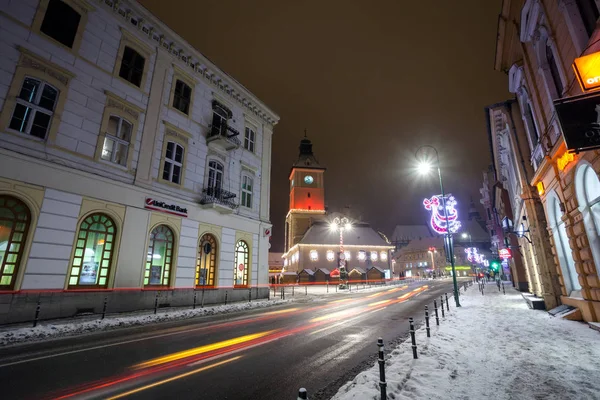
226 132
211 195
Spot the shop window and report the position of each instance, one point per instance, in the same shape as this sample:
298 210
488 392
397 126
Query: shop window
246 191
182 97
94 248
61 22
15 220
117 140
160 256
207 261
249 139
587 187
34 108
132 66
242 265
173 163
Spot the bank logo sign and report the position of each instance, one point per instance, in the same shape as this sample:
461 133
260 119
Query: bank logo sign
161 206
579 118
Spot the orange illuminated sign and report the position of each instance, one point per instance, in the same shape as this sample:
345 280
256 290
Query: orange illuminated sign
540 188
564 160
587 69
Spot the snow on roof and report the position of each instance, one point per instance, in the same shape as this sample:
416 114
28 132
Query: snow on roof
275 259
423 244
358 269
409 232
361 234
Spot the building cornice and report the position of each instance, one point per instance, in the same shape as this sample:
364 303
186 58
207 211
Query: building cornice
136 16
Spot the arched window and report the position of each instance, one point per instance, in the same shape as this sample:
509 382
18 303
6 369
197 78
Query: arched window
242 265
562 247
207 261
587 186
15 219
160 256
93 252
553 67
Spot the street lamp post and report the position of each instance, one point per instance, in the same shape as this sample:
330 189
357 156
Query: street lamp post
342 224
473 264
425 167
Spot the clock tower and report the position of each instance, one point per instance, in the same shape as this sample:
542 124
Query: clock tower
307 194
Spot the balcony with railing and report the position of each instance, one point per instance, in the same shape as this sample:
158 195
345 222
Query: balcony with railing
224 136
219 199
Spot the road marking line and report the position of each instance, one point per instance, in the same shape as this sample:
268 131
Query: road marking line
173 378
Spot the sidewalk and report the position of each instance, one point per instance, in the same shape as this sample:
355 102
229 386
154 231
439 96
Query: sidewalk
493 347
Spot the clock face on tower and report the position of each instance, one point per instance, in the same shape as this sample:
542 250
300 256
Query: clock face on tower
308 179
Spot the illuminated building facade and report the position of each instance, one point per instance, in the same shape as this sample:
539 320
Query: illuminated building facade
548 48
129 165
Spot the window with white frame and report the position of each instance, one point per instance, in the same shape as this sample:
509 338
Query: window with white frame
34 108
215 176
182 96
117 140
247 191
221 115
173 163
249 139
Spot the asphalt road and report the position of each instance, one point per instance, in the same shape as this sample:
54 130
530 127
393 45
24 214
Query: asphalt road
261 354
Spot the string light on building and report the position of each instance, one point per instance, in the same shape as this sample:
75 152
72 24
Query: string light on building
330 255
383 256
373 256
362 256
347 254
438 218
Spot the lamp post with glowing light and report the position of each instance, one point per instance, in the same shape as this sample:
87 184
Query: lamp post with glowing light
341 224
424 167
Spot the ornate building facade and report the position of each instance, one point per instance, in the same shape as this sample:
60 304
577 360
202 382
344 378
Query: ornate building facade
557 190
131 167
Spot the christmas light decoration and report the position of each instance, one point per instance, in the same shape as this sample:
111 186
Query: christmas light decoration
373 256
330 255
383 256
314 256
362 256
474 256
438 217
347 255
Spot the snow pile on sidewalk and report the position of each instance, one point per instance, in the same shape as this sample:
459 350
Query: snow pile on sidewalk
55 329
493 347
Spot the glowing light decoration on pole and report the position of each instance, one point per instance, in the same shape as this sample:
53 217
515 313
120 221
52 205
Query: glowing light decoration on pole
438 217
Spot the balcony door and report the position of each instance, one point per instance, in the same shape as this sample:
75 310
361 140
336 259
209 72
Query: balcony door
215 177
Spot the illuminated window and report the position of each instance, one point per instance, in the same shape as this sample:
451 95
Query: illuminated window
207 261
347 254
383 255
373 256
61 22
93 252
160 256
314 256
15 219
34 108
242 255
362 256
330 255
117 140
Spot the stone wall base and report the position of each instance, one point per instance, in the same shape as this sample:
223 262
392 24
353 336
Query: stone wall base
21 307
590 310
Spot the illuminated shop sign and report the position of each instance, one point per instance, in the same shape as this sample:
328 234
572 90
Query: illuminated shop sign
579 118
564 160
505 254
587 70
157 205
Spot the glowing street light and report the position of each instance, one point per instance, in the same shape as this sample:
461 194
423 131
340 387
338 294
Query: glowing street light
341 224
424 167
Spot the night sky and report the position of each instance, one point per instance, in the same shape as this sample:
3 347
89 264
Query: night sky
370 81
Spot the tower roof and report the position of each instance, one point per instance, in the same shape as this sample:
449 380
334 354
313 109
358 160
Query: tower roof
306 158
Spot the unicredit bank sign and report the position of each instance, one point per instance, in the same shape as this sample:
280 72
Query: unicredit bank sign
587 69
157 205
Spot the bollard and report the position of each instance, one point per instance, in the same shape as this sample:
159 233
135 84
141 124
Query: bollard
327 286
503 291
283 292
437 318
306 290
274 291
302 394
442 306
249 295
293 287
498 285
447 304
413 339
427 321
104 307
381 360
194 304
37 314
226 297
336 287
202 301
156 303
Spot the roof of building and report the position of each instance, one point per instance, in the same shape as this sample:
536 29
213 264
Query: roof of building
308 271
361 234
410 232
275 259
306 158
377 268
324 270
359 269
423 244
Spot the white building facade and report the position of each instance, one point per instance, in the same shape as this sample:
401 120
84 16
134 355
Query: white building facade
131 167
